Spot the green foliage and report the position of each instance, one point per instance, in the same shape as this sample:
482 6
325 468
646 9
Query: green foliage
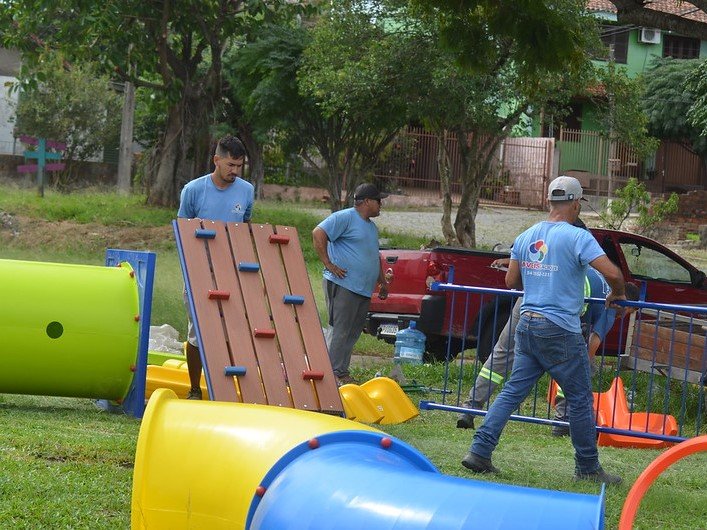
634 197
71 104
674 99
697 85
541 35
620 110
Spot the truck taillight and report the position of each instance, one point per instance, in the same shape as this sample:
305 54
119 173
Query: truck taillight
433 268
434 273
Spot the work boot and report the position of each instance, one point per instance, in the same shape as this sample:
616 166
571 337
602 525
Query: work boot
478 464
598 476
194 393
560 430
465 421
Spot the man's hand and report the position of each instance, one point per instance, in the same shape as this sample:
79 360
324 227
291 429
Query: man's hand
611 298
335 270
383 292
500 263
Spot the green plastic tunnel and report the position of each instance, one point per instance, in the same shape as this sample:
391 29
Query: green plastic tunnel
67 330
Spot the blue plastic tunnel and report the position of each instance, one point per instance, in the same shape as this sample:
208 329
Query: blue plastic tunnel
364 480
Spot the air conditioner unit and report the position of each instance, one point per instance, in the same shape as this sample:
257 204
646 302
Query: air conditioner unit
649 36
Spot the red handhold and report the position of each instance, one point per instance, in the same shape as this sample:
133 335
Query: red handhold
386 442
260 491
215 294
312 375
279 238
264 333
313 443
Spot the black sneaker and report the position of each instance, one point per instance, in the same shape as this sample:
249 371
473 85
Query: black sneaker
478 464
465 421
194 393
599 476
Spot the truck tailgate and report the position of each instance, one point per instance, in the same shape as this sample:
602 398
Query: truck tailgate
406 272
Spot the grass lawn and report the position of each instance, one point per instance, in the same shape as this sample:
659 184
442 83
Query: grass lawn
66 464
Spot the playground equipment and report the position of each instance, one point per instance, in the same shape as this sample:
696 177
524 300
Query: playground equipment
612 412
379 400
172 374
256 323
77 330
652 472
224 465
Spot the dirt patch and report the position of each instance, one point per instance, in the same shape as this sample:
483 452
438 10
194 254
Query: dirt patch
31 233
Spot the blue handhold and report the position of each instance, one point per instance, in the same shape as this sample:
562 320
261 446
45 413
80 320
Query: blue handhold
203 233
244 266
234 370
293 299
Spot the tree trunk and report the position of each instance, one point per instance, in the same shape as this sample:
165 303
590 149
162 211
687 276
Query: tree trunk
443 167
255 159
125 157
183 150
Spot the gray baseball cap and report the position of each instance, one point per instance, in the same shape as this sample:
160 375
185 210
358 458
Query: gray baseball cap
564 188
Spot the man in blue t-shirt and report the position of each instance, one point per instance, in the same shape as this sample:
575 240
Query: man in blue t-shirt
218 196
347 244
549 262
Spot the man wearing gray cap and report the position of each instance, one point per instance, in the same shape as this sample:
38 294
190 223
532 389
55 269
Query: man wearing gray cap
347 244
549 262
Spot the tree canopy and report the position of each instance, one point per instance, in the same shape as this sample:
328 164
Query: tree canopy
669 100
175 46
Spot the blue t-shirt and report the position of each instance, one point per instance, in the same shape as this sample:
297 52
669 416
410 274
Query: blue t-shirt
599 318
353 245
201 198
553 259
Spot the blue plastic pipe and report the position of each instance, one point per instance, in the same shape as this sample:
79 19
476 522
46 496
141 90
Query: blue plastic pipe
352 481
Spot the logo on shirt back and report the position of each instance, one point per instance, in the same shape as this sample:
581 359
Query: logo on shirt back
538 250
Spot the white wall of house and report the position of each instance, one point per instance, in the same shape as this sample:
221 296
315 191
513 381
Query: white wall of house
7 113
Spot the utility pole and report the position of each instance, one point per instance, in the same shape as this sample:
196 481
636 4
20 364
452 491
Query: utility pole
125 155
612 141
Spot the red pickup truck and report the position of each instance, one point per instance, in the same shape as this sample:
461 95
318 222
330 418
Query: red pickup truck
477 322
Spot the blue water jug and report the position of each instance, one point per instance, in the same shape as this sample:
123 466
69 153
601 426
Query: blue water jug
409 345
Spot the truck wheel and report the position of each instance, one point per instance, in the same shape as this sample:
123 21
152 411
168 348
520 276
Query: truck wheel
490 330
436 350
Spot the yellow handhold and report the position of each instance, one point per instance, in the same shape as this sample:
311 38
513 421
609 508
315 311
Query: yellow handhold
358 405
390 399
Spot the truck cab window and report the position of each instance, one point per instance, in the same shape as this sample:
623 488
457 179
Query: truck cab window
648 263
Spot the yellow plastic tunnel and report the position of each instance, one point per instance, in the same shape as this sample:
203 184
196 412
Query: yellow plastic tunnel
216 465
198 463
67 330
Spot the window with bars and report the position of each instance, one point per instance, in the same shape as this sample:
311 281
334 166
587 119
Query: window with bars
616 36
680 47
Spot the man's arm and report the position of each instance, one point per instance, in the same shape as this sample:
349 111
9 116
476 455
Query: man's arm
593 346
383 291
613 276
320 240
513 277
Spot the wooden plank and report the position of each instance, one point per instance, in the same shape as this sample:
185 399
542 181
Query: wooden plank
667 346
240 344
288 333
257 316
212 346
309 323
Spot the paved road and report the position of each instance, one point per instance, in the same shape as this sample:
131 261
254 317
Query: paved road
493 225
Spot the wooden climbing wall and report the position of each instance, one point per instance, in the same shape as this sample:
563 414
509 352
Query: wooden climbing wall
257 324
